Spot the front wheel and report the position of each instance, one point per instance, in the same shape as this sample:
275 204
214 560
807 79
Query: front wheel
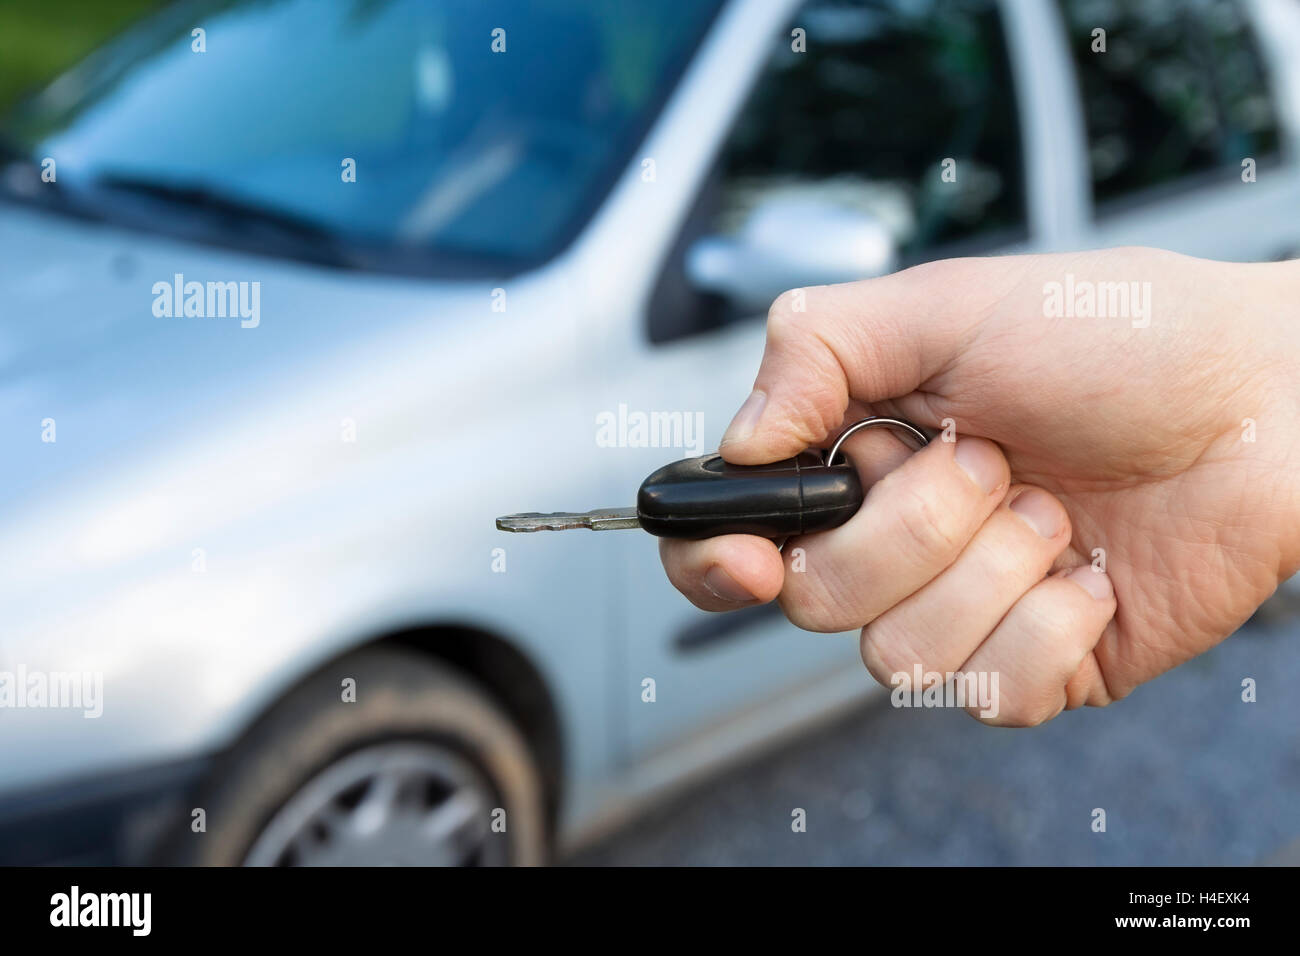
421 769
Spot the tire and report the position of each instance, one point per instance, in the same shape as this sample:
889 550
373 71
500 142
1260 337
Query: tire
416 771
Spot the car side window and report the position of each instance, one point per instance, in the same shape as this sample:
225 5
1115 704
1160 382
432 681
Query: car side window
1171 91
903 110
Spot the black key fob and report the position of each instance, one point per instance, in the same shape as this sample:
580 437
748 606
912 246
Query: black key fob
704 497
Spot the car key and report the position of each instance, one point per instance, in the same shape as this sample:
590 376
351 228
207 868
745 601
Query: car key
707 496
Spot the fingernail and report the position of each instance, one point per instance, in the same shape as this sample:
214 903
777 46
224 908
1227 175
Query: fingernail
1040 511
746 420
981 461
724 586
1096 583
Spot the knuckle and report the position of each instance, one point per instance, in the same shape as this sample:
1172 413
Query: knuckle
933 533
885 653
805 615
1098 697
1064 626
809 608
926 275
939 278
1023 559
820 409
1021 713
1020 565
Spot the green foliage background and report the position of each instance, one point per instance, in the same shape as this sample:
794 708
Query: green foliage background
39 38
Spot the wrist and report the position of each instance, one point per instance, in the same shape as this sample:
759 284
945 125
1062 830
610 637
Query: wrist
1275 434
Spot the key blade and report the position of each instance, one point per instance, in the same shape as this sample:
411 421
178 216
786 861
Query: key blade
602 519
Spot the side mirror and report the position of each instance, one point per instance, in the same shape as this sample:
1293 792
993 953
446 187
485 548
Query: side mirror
790 242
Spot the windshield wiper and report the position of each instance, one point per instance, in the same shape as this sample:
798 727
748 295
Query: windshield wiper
22 178
233 215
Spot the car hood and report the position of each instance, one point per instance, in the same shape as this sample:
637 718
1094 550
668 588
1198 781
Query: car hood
81 345
168 431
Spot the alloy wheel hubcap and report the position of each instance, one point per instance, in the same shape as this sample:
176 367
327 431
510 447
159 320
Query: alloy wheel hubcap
393 804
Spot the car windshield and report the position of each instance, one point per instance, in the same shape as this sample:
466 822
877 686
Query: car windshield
419 135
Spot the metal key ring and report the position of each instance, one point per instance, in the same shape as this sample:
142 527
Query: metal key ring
876 421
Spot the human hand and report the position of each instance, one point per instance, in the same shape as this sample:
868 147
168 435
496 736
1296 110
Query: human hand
1121 441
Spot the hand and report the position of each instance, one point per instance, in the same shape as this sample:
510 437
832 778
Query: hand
1120 441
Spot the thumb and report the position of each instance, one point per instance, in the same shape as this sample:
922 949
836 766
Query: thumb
869 341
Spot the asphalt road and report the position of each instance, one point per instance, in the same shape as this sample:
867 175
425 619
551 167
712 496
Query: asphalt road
1186 772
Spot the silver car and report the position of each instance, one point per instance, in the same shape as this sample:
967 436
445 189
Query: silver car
299 296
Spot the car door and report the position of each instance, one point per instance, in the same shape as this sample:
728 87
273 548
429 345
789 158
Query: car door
902 114
1187 136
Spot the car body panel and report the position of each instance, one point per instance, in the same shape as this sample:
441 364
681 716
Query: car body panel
310 543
